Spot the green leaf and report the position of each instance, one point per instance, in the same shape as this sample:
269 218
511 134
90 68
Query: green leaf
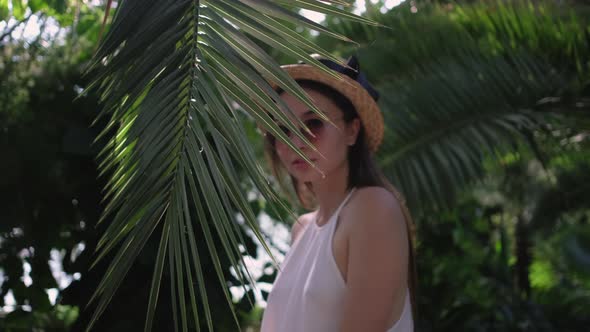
3 10
18 9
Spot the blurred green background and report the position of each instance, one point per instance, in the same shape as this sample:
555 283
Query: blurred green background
503 245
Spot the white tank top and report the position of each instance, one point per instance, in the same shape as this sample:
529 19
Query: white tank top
308 293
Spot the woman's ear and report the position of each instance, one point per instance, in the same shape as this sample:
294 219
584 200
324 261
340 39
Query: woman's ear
352 131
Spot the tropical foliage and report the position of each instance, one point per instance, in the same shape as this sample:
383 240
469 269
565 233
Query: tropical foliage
465 83
487 124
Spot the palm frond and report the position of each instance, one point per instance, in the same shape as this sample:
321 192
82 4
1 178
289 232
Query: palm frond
442 127
463 83
168 72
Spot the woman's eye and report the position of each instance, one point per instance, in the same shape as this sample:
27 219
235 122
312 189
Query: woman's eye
285 130
314 124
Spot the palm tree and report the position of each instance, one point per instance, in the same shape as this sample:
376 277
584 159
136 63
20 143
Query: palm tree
169 73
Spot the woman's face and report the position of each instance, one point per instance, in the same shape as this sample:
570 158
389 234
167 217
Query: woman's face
332 142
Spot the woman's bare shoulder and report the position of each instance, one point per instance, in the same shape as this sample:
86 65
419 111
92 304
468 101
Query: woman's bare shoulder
376 203
379 196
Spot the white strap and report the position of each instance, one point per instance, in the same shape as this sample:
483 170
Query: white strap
345 200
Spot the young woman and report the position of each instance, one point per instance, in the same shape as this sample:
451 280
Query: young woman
350 266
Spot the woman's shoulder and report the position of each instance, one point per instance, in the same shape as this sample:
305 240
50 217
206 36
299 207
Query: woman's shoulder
376 205
376 222
377 196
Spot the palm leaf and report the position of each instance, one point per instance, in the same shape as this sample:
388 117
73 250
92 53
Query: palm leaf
167 73
462 85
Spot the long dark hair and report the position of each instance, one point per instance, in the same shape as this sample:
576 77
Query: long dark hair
363 172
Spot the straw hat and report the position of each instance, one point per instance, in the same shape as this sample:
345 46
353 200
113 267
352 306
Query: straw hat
353 85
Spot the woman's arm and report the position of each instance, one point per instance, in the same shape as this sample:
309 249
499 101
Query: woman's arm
377 261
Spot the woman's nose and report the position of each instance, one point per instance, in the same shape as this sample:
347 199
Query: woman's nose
298 142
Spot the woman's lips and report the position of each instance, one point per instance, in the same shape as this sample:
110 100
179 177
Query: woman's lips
300 162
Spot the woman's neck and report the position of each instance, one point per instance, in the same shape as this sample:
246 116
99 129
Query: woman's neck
330 192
